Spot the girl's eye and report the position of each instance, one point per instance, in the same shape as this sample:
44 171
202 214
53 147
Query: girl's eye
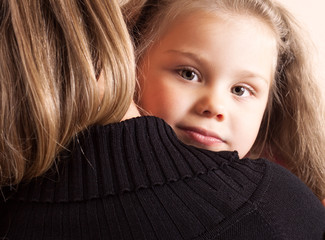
188 75
241 91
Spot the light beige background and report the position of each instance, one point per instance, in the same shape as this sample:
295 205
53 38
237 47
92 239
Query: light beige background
311 15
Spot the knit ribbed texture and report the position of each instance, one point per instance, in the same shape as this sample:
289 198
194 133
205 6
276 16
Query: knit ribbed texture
136 180
126 157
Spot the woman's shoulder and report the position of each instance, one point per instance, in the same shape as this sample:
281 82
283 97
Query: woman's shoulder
143 152
135 154
139 167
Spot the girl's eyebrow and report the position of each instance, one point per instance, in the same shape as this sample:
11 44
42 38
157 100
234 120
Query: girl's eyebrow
251 74
191 55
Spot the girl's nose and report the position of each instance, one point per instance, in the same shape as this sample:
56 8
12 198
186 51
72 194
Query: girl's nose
211 107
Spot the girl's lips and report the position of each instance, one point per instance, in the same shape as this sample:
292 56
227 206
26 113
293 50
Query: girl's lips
201 136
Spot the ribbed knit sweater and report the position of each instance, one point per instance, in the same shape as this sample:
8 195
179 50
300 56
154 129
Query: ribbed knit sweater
136 180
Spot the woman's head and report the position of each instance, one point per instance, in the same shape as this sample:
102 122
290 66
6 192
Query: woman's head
52 53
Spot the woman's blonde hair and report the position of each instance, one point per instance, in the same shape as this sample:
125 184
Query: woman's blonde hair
292 129
52 53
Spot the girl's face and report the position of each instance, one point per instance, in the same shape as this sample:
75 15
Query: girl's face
209 78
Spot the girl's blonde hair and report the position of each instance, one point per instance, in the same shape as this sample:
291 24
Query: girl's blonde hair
292 129
52 53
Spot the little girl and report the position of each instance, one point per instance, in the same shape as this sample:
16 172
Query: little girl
231 75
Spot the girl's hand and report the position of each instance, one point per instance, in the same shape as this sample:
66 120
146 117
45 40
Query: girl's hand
323 202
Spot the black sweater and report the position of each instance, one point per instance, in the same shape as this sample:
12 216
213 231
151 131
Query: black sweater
136 180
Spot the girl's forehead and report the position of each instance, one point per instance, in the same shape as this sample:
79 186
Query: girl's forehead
209 36
190 17
202 11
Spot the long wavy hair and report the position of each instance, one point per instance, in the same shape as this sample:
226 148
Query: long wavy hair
292 129
52 53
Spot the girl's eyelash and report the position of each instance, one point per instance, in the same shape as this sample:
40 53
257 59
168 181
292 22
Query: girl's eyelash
252 90
249 88
187 68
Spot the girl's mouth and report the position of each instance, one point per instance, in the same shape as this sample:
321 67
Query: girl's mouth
200 136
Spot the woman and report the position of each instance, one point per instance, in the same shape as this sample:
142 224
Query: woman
71 170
